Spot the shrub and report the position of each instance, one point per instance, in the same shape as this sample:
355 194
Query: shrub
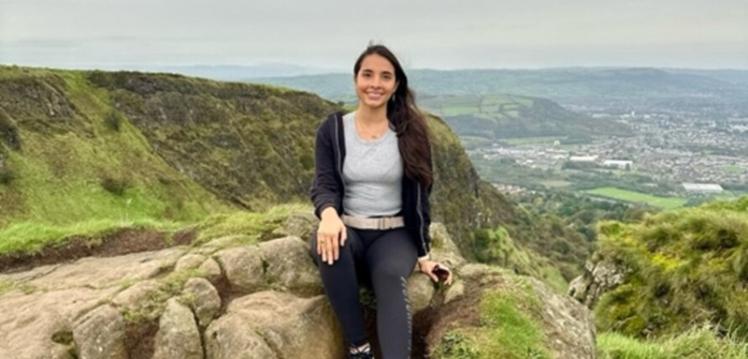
113 121
6 175
115 186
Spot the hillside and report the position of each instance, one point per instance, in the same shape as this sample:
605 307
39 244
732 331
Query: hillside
87 146
494 117
672 271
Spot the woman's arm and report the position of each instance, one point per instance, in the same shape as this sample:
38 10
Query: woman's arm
324 191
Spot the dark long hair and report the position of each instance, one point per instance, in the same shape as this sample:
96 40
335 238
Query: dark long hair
409 123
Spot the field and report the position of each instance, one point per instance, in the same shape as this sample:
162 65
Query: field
631 196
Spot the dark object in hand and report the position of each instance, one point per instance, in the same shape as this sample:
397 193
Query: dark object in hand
441 273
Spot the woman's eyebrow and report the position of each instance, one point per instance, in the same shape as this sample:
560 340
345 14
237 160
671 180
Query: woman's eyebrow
385 72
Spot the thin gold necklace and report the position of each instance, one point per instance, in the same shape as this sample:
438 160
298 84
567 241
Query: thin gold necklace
366 134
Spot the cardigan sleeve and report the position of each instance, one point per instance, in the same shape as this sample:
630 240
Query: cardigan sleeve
325 191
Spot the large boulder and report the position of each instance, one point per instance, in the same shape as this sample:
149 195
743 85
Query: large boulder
101 334
203 298
272 324
287 266
496 304
243 268
178 336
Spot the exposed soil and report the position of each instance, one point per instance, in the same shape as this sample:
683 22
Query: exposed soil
118 243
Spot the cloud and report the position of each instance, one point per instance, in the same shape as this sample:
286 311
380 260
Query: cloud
330 33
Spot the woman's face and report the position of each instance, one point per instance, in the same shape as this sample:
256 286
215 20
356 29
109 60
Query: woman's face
375 81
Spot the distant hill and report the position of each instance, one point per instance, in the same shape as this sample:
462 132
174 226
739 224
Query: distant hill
618 89
511 116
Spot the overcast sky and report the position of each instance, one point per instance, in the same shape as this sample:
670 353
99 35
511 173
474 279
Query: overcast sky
444 34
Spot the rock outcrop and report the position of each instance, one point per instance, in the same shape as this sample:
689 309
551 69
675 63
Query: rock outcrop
220 300
598 277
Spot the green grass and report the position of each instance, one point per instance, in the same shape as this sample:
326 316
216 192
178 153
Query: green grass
682 266
638 197
255 225
65 177
30 237
696 343
509 328
496 246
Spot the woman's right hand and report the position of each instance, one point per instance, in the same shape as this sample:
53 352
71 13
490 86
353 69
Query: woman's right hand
331 235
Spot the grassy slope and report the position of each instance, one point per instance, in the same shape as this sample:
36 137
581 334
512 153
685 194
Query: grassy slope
62 166
685 266
695 343
509 326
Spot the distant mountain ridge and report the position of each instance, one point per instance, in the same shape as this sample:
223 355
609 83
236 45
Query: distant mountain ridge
607 88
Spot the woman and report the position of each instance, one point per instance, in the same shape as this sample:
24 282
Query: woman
373 177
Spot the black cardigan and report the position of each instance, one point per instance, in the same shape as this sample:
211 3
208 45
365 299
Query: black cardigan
328 186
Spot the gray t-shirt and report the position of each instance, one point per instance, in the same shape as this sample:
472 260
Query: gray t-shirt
372 171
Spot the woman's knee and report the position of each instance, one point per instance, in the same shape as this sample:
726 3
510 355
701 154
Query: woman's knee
389 272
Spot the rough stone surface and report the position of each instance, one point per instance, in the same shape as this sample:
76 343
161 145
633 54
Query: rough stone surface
275 303
139 292
287 266
99 272
189 261
420 291
456 290
100 334
203 298
598 278
272 324
178 336
243 268
298 224
211 270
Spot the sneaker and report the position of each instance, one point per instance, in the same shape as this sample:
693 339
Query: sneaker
363 353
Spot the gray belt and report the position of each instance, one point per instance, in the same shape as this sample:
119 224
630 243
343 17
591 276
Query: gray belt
379 223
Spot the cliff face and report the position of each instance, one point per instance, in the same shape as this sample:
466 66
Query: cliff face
77 145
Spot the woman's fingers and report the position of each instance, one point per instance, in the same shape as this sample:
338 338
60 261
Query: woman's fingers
331 245
343 236
328 249
334 248
321 239
336 245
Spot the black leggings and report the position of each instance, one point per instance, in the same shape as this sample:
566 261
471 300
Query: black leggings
382 260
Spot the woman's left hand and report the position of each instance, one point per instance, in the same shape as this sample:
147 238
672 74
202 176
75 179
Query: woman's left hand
427 267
